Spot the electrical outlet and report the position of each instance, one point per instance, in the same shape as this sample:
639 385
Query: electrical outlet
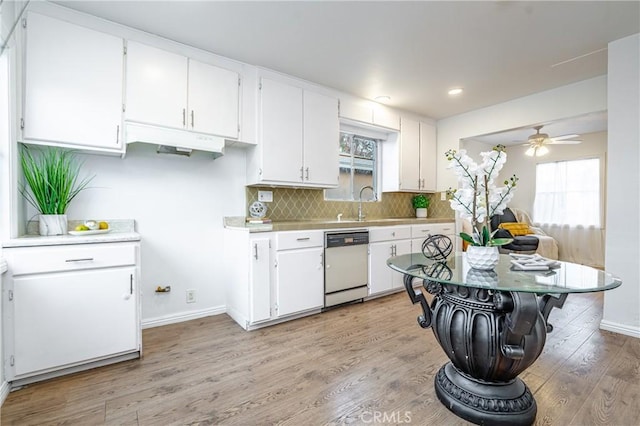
265 196
443 196
191 296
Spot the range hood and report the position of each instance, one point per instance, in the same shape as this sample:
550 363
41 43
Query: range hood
174 141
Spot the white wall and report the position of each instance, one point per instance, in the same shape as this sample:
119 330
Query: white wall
563 102
622 306
178 204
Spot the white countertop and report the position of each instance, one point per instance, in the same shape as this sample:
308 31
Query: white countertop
239 223
120 231
37 240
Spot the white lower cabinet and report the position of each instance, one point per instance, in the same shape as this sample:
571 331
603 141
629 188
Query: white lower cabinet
385 242
299 271
299 280
78 308
260 283
67 318
271 276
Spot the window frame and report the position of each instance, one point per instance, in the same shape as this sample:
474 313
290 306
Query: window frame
602 185
377 165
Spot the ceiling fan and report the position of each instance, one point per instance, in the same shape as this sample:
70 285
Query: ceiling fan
538 142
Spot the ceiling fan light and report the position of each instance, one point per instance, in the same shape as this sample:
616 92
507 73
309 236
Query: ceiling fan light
543 150
531 151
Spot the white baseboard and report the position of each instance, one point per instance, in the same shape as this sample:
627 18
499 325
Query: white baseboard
4 392
620 328
180 317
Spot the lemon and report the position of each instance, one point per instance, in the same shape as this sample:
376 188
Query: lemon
103 225
81 228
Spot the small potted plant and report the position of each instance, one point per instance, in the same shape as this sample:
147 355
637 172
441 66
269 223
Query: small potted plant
421 204
52 177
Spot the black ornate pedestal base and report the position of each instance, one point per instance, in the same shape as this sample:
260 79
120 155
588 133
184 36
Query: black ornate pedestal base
490 336
485 403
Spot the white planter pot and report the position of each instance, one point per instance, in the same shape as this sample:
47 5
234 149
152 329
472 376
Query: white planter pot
484 258
421 212
52 224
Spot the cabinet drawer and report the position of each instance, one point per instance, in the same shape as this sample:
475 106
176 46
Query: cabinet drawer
418 231
34 260
299 239
386 233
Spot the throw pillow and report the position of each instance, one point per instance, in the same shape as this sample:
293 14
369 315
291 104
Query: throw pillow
516 228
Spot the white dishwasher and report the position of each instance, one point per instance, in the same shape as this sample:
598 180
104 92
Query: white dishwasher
346 265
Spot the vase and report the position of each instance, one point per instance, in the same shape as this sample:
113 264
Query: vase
52 224
421 212
484 258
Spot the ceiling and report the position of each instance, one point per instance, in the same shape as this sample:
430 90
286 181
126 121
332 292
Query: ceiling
411 51
588 123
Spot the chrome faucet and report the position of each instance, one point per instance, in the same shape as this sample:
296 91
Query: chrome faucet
375 198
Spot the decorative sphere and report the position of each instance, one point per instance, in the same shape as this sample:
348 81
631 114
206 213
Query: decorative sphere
437 247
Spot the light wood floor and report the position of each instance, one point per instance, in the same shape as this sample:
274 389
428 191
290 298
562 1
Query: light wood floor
339 367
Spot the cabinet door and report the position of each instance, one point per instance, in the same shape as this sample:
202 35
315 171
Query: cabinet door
156 86
382 116
321 137
299 280
356 110
260 291
401 247
379 272
281 132
410 155
66 318
73 84
213 100
428 156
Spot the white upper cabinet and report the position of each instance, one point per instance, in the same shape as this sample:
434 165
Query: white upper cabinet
156 86
410 161
281 132
321 134
369 112
171 90
213 99
73 78
410 179
428 154
298 137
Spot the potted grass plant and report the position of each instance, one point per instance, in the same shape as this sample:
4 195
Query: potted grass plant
51 181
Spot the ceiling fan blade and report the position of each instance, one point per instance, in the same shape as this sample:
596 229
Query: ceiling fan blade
559 138
564 142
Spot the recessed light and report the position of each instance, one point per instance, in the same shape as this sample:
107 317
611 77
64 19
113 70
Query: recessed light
455 91
384 98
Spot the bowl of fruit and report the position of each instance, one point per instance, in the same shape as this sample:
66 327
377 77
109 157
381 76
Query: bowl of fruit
90 227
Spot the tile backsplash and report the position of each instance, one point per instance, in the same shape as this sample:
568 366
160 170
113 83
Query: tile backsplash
298 203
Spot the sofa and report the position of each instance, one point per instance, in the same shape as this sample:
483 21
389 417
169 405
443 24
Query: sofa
529 239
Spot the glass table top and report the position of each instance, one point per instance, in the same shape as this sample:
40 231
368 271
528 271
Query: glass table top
568 278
